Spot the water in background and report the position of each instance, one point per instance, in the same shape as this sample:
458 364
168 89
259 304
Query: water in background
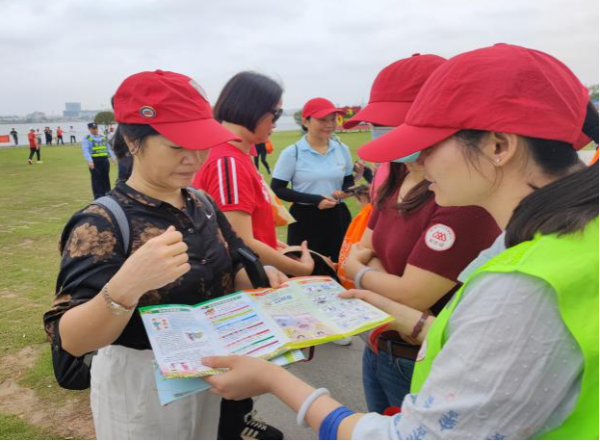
286 122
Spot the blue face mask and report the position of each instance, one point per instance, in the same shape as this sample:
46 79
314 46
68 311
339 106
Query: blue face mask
410 158
377 131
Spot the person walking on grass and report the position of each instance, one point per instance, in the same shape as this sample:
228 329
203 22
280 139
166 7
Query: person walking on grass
72 135
15 136
261 154
34 147
59 136
48 133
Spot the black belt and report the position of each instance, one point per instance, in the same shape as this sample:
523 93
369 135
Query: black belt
398 349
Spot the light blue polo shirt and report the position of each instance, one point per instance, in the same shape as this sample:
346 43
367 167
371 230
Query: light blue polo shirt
311 172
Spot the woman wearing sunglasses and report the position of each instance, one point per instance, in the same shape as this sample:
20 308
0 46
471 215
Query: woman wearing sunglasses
249 106
514 355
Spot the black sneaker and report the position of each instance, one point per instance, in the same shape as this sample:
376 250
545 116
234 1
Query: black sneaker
255 428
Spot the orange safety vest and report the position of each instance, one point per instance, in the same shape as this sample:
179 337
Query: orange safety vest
353 235
595 158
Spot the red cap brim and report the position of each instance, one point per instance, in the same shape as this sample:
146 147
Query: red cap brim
403 141
383 113
199 134
323 113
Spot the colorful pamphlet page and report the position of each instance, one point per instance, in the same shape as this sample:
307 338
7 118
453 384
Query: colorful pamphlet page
303 312
172 389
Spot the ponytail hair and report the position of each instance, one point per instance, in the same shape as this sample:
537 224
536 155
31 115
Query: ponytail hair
566 205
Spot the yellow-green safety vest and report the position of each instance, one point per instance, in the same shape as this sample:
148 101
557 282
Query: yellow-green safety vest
569 264
99 150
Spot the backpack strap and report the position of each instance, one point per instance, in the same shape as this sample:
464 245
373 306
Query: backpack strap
111 205
202 196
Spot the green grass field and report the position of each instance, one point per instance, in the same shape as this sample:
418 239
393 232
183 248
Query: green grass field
35 203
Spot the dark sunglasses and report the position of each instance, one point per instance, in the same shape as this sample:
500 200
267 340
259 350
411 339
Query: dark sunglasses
276 114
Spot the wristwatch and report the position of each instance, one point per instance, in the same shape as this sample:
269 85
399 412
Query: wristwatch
115 307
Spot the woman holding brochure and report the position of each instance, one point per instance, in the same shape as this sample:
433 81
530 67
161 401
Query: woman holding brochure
182 251
515 353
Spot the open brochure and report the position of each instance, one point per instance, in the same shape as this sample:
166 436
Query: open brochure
172 389
303 312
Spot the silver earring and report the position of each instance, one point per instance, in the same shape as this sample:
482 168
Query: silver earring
497 160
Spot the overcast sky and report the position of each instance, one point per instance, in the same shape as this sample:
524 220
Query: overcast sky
54 51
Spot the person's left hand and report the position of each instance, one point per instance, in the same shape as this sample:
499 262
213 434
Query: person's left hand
360 254
276 277
359 170
358 258
339 194
247 376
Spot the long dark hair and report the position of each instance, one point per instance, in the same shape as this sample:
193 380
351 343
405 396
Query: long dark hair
561 207
414 199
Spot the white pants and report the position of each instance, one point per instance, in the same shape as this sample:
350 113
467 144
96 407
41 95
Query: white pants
125 402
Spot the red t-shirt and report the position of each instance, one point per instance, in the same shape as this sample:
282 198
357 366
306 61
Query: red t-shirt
32 140
443 240
232 180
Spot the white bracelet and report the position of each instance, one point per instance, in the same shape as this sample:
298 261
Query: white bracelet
360 275
270 266
307 403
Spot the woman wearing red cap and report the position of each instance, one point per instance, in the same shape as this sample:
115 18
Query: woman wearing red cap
249 106
320 168
399 256
166 125
515 353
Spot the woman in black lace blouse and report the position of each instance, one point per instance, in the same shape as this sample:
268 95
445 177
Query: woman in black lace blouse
181 251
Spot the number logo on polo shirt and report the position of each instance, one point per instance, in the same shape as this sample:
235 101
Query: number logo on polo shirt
440 237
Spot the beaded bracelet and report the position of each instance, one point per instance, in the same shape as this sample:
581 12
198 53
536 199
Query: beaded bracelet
419 326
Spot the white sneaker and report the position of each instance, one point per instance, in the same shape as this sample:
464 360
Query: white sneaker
346 341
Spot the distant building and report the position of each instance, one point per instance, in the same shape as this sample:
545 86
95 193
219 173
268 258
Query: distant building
89 114
10 118
72 110
36 117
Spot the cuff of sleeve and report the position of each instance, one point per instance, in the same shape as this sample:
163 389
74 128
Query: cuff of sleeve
375 426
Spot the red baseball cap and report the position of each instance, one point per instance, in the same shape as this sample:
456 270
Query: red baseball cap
319 107
501 88
174 105
394 90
